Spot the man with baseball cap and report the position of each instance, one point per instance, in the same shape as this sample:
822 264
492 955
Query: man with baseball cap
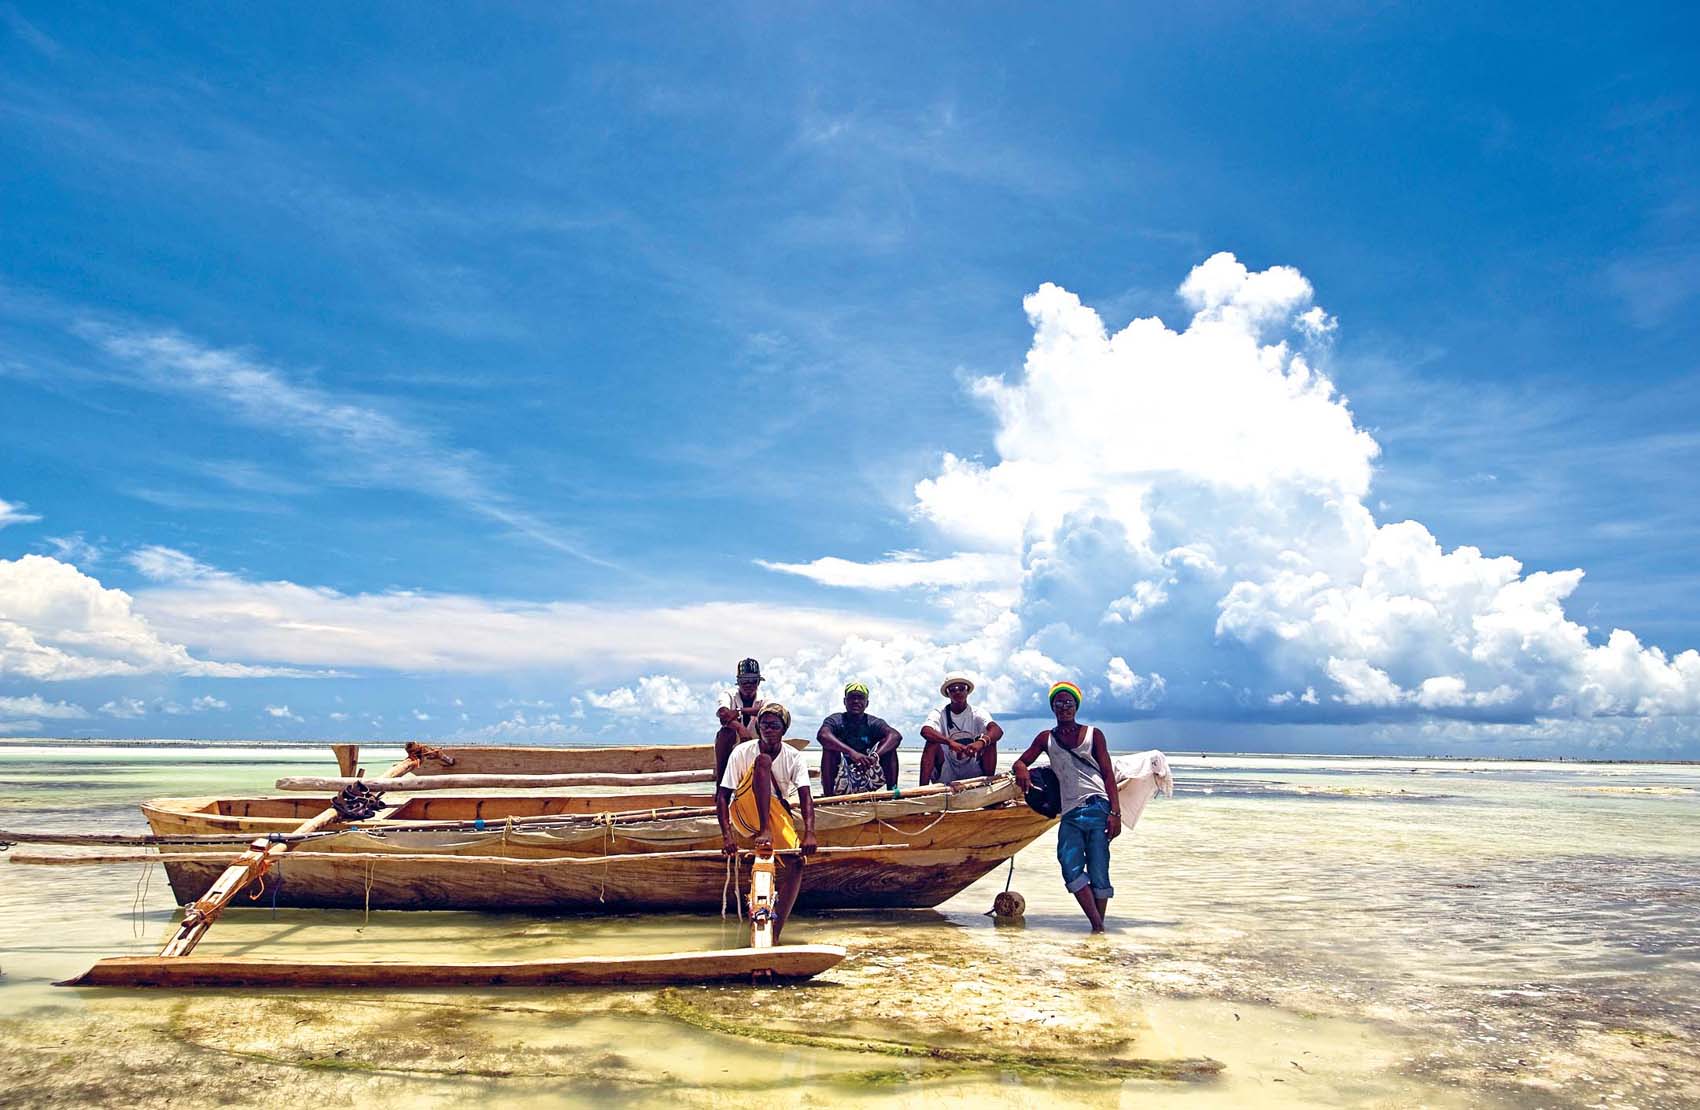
962 742
737 712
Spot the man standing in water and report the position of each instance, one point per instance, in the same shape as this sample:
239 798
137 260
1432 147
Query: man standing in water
1091 814
737 713
858 751
962 742
764 778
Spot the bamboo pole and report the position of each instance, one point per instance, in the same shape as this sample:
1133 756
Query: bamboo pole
539 822
198 918
364 858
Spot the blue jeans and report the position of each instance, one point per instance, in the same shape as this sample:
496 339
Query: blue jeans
1083 848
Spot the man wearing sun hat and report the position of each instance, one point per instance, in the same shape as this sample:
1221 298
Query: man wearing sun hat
858 750
962 742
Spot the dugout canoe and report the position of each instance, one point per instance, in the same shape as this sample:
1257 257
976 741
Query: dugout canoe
916 850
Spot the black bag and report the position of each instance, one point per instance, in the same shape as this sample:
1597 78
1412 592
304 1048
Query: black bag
1044 797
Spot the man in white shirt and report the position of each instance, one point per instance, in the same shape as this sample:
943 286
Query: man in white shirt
737 714
962 742
761 777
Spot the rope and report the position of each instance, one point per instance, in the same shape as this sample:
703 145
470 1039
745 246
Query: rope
943 813
138 903
367 920
1011 877
607 848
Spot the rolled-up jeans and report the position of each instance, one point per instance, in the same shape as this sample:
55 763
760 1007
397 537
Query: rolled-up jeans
1083 847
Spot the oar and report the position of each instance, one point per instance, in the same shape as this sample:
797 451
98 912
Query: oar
198 918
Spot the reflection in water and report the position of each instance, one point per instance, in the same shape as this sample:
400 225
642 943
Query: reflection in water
1342 932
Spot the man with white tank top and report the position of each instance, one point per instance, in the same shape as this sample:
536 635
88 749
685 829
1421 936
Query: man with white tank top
1091 812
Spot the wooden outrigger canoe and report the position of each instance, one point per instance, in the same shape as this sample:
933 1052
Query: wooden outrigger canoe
548 852
914 850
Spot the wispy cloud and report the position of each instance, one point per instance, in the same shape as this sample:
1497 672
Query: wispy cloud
361 443
14 514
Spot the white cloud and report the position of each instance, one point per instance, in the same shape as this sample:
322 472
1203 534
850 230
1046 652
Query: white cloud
905 571
339 716
57 623
11 513
127 709
361 443
1188 512
421 715
230 617
207 701
655 696
281 712
73 549
34 705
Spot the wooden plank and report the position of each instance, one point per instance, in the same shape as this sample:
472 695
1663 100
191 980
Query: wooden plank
24 859
494 782
785 962
636 760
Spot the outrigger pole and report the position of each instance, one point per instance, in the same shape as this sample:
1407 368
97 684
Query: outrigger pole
257 860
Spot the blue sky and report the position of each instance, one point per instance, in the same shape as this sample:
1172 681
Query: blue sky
503 372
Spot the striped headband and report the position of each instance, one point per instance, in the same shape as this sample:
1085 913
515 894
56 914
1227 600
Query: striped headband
776 710
1066 687
857 688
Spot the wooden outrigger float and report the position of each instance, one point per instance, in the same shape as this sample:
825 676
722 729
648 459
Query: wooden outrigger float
392 843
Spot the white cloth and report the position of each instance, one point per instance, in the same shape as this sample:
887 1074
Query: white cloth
1139 776
790 773
966 725
731 699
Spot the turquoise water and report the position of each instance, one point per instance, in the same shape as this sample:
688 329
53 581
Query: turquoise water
1331 931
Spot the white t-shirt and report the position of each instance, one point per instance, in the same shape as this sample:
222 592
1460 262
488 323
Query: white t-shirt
790 773
964 726
734 701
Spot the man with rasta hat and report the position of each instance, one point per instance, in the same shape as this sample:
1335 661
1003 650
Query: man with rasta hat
765 779
737 712
858 751
1091 812
962 742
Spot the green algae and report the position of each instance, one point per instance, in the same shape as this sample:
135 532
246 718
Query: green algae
673 1005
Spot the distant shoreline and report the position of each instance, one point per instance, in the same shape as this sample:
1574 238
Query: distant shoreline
94 742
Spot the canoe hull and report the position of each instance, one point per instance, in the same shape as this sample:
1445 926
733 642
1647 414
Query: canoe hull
942 854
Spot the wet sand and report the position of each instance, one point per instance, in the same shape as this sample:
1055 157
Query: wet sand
1290 933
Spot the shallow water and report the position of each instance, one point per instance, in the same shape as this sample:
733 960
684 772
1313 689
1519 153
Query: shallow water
1303 931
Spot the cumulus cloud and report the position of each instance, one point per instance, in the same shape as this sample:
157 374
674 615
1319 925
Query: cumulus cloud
1186 509
14 514
57 623
127 709
34 705
281 713
655 696
206 702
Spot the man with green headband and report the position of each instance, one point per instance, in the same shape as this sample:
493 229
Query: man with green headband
858 751
1091 811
